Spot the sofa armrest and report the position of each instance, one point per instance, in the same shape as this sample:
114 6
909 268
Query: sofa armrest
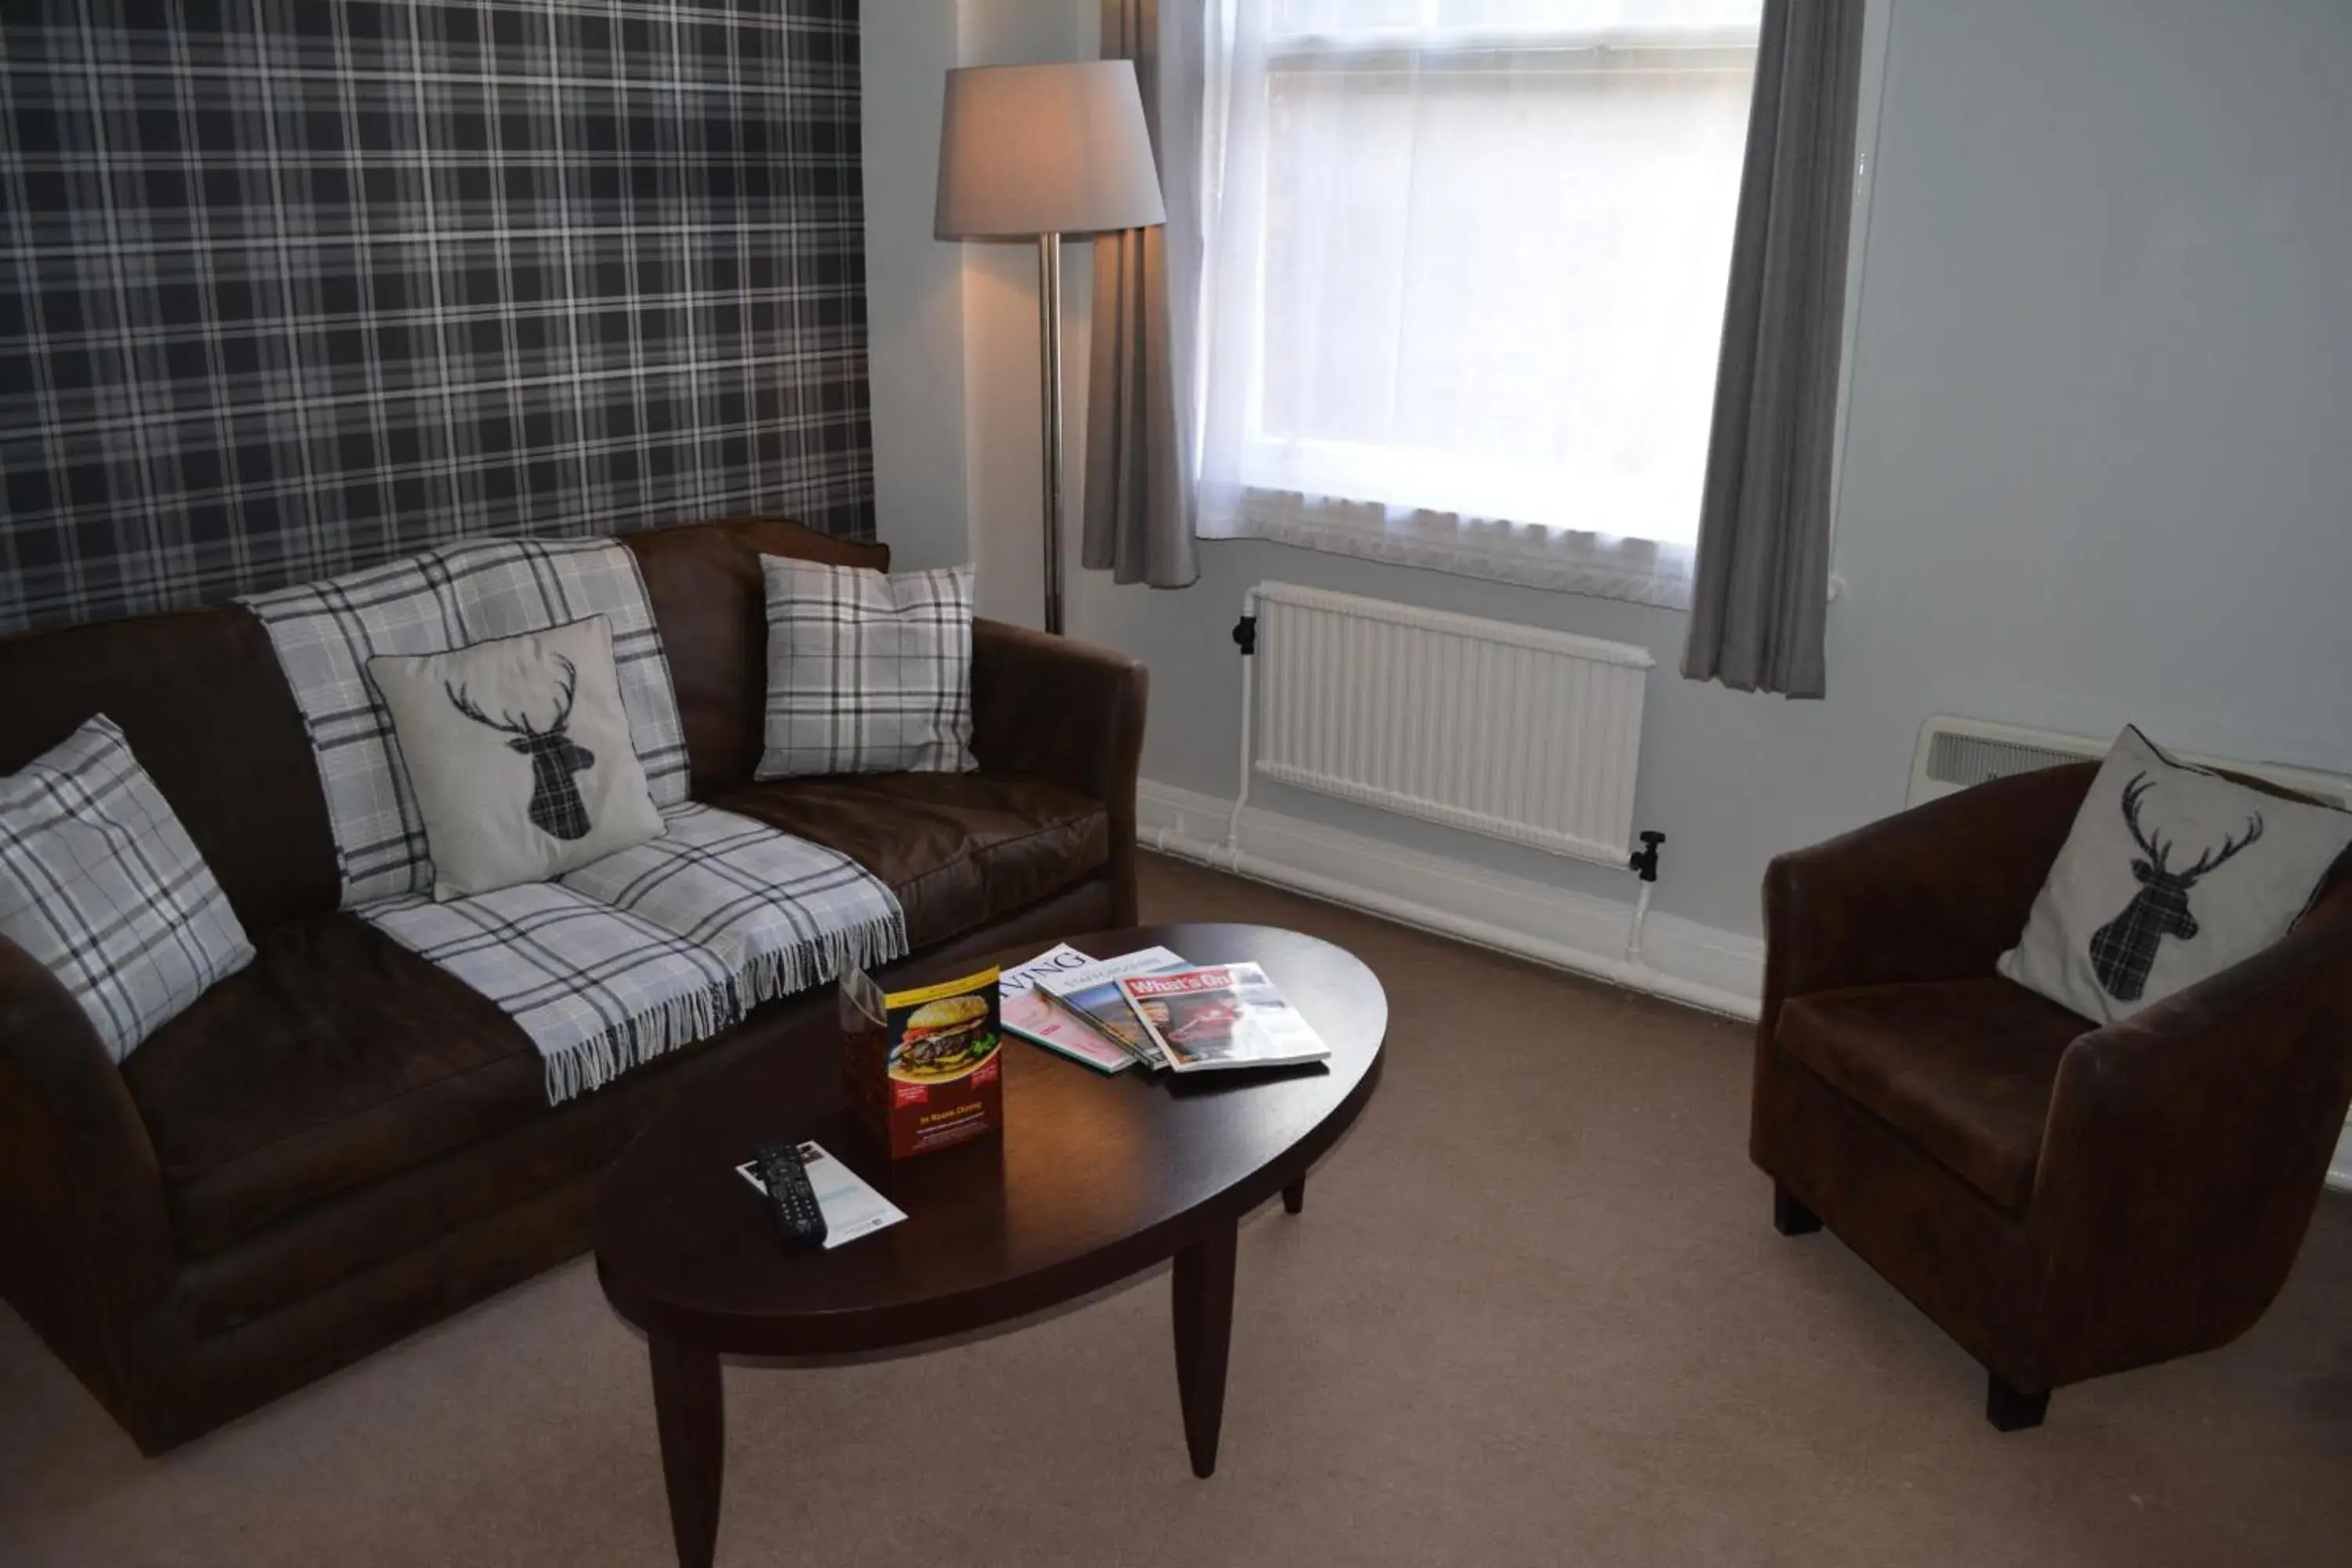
86 1245
1067 712
1933 893
2187 1144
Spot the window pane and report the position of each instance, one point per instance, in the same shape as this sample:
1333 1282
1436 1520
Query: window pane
1499 290
1340 18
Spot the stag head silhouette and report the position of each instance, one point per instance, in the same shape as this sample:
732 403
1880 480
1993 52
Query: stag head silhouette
556 808
2124 949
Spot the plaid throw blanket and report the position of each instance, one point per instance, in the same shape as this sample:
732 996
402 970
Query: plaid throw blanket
325 633
658 946
779 913
637 954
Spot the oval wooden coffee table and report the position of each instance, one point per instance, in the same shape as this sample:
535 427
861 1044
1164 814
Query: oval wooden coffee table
1094 1178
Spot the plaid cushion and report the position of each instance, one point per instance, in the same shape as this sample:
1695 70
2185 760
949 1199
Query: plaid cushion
866 674
658 946
326 632
100 885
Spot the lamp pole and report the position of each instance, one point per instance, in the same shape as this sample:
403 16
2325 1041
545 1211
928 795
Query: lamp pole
1049 337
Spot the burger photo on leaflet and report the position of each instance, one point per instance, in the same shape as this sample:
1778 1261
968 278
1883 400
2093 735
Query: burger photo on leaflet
943 1039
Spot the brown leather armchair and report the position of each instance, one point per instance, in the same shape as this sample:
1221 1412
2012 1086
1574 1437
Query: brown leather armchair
2064 1200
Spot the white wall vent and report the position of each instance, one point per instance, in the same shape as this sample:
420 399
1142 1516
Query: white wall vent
1955 752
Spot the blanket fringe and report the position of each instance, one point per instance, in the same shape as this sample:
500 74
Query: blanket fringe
866 944
599 1059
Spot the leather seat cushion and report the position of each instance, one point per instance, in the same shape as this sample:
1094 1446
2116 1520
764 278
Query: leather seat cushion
959 850
335 1058
1964 1068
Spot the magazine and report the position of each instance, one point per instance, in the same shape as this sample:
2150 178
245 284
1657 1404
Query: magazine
1032 1012
851 1208
1229 1015
1094 995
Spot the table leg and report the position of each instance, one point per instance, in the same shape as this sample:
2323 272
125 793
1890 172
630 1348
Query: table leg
688 1409
1294 1196
1204 1332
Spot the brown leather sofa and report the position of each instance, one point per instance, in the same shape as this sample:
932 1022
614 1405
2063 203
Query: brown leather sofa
2064 1200
341 1144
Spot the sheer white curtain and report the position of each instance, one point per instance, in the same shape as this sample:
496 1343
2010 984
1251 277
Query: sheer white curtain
1466 263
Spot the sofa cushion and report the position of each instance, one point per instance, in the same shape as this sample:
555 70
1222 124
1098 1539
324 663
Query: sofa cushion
99 885
2170 874
344 1235
868 672
335 1058
959 850
550 785
1964 1068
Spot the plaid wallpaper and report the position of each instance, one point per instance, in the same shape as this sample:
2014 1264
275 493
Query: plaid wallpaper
289 287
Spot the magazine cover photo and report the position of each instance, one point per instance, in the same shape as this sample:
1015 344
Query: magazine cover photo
1226 1017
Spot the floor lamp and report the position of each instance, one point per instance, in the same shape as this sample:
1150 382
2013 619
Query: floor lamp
1035 152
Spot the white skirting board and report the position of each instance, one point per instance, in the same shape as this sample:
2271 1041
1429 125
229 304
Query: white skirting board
1719 971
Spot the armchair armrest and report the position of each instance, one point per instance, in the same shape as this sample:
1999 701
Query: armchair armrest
1067 712
85 1243
2187 1146
1933 893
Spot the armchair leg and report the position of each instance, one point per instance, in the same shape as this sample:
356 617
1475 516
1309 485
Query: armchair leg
2012 1409
1789 1216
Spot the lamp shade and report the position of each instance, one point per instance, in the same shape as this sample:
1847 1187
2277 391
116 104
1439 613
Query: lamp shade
1053 149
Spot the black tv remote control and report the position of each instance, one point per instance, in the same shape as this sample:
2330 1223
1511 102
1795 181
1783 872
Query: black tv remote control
791 1199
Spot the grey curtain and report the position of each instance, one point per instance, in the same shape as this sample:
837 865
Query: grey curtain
1759 598
1138 496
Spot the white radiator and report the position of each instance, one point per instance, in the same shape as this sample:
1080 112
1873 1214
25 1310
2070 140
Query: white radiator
1532 736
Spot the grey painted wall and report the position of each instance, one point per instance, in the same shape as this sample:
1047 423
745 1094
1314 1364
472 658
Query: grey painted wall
2100 456
914 286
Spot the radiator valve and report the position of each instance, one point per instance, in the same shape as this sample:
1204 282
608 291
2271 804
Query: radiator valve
1245 635
1645 858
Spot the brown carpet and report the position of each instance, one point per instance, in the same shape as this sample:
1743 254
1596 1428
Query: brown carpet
1534 1313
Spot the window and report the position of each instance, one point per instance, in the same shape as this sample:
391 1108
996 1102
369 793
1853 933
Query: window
1464 275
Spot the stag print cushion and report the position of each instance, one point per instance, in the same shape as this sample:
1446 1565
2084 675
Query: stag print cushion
518 754
2170 874
324 633
100 885
866 674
